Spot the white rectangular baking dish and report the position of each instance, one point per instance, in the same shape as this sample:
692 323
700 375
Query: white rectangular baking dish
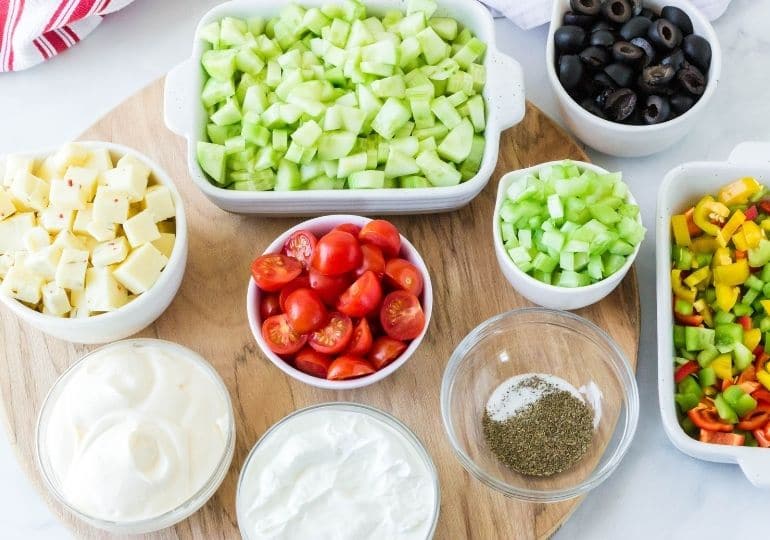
681 188
504 93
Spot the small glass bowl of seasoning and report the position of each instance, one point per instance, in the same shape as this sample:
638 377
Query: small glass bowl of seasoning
539 404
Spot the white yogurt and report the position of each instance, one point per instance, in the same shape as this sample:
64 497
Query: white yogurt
136 430
511 397
336 474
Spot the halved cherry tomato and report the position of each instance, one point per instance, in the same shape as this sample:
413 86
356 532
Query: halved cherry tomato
385 350
300 245
305 311
717 437
756 419
273 271
280 337
404 275
362 297
373 260
762 437
329 288
382 234
348 228
334 337
337 252
685 370
688 320
312 362
745 322
708 419
361 342
349 367
300 283
269 306
761 394
401 316
751 213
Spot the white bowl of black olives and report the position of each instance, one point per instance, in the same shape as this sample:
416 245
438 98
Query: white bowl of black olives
631 76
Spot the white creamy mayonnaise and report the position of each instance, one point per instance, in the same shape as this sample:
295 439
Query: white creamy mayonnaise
136 430
336 474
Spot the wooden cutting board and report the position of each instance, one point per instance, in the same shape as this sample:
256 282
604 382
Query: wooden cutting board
209 316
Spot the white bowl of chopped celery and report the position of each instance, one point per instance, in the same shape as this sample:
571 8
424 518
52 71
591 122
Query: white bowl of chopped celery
565 232
393 94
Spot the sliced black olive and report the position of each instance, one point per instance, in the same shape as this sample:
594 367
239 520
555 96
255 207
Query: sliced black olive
602 25
602 81
602 38
620 104
656 110
649 50
692 80
591 106
601 97
578 19
675 60
621 74
698 51
569 39
647 12
625 52
679 18
681 103
636 27
649 89
570 70
617 11
586 7
595 57
636 118
664 35
658 75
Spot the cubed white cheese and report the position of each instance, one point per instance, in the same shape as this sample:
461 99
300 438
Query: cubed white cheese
158 200
85 177
68 195
14 164
141 269
165 243
101 232
141 229
79 305
82 219
112 252
110 206
55 300
66 239
68 155
47 169
6 262
101 161
44 262
13 229
131 161
103 292
22 284
54 220
36 238
71 270
7 208
30 190
128 179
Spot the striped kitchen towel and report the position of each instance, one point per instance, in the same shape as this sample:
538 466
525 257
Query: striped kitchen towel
32 31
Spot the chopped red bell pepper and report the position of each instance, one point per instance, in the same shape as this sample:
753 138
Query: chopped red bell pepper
740 254
745 322
708 419
717 437
748 375
760 394
689 320
764 206
758 350
756 419
751 213
761 361
762 438
691 226
685 370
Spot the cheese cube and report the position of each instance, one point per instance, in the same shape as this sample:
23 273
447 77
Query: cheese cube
22 284
71 270
79 305
158 200
55 300
68 195
168 226
44 262
65 239
15 164
85 177
7 208
30 190
141 269
47 169
101 161
110 206
68 155
101 232
112 252
12 231
54 220
6 262
132 161
103 292
141 229
82 219
165 244
128 179
36 238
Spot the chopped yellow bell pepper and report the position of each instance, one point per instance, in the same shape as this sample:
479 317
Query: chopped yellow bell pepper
753 234
726 296
706 210
703 308
739 191
679 289
751 338
764 377
765 225
766 305
704 244
732 274
721 257
739 241
730 228
697 277
723 366
681 231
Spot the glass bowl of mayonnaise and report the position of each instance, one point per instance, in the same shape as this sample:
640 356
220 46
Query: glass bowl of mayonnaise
136 436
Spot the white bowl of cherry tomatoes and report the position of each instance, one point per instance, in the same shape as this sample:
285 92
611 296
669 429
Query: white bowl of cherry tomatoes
339 301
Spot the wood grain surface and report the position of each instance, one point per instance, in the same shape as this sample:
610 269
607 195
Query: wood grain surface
209 316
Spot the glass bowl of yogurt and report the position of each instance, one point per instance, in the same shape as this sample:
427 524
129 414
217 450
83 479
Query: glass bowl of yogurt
136 436
539 404
334 456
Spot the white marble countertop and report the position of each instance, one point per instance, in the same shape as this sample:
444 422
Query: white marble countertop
656 492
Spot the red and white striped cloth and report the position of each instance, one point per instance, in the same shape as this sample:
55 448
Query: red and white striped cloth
32 31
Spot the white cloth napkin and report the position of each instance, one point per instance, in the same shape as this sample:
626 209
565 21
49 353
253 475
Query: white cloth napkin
527 14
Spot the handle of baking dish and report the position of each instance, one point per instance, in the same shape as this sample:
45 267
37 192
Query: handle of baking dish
506 89
756 467
752 152
179 98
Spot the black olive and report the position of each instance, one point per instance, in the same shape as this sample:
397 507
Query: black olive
637 6
622 74
569 39
649 50
602 38
627 53
681 103
664 35
650 89
602 25
601 97
601 81
656 110
675 60
591 106
658 75
617 11
692 80
595 57
586 7
698 51
650 14
578 19
679 18
620 104
636 27
570 70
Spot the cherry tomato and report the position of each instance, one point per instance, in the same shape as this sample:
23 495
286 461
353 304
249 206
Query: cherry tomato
273 271
385 350
334 337
349 367
280 337
402 317
299 283
336 253
708 419
300 245
362 297
373 260
361 341
348 228
329 288
382 234
312 362
269 306
305 311
404 275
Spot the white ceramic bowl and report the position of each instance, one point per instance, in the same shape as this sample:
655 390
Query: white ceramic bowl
142 311
625 140
544 294
320 226
681 188
504 93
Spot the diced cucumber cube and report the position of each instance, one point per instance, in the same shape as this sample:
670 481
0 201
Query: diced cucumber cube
457 145
335 144
438 172
212 158
367 180
391 117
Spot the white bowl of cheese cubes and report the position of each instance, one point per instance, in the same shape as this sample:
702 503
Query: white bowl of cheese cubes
93 240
